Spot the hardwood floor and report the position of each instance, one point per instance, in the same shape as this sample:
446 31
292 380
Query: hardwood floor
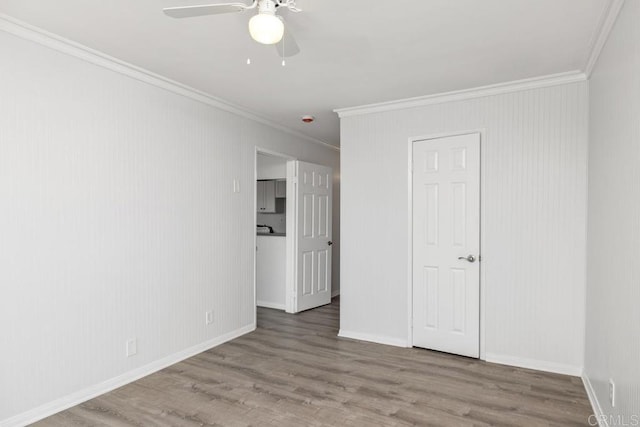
294 371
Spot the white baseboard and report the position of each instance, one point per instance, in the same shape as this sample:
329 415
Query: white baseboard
88 393
595 403
335 293
539 365
273 305
396 342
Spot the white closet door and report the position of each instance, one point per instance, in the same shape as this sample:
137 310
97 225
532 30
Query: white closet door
446 244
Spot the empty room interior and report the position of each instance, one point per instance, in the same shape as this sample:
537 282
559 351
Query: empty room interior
320 213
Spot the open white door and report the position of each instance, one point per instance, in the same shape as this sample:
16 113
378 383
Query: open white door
309 196
446 244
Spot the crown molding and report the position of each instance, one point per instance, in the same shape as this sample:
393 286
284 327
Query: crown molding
465 94
29 32
608 18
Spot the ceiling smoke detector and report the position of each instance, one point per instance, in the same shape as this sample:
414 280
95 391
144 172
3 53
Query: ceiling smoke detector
308 119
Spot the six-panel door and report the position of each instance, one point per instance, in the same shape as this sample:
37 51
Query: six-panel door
446 244
313 198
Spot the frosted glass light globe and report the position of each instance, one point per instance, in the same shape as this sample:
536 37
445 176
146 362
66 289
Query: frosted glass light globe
266 28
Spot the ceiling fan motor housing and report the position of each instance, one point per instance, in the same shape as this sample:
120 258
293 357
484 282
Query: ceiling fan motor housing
265 27
267 7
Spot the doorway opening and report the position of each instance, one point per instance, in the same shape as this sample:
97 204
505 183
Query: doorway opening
293 208
271 230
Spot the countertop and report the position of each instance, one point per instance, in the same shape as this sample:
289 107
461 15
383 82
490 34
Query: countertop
272 234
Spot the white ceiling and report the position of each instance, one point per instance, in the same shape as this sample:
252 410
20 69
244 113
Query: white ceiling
354 52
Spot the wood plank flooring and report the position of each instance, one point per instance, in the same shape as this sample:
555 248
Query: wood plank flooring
294 371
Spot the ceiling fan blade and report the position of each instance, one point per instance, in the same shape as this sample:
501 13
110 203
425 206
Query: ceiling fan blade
287 46
204 9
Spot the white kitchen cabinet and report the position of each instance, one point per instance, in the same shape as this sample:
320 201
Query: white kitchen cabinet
281 188
271 271
266 196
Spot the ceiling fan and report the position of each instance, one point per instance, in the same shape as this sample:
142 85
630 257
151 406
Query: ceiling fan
266 27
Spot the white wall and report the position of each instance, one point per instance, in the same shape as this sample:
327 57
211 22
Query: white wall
613 285
534 157
271 167
118 220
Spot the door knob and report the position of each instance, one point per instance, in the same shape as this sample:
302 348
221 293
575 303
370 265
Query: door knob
329 243
469 258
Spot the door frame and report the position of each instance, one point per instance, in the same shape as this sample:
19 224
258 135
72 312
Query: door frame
289 238
411 142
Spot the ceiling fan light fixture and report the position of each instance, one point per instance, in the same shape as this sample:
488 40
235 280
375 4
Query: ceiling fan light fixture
266 28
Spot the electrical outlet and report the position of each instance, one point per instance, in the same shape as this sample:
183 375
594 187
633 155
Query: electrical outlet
208 317
612 393
132 347
236 186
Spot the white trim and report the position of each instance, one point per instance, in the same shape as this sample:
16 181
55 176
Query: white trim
254 264
483 274
607 19
410 244
538 365
78 397
268 152
291 302
69 47
335 293
378 339
595 404
461 95
273 305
